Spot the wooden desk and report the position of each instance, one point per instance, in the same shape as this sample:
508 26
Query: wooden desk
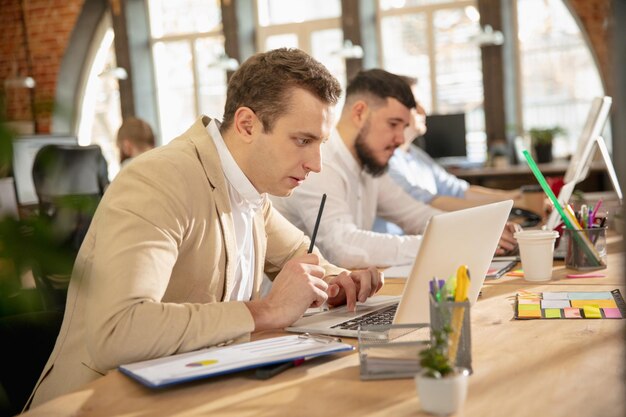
563 368
514 176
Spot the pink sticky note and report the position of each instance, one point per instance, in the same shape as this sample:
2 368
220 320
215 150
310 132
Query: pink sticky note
612 313
572 313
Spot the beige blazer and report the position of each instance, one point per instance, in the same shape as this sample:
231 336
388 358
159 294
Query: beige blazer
154 269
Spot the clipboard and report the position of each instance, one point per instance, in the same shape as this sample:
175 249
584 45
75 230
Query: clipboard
500 267
205 363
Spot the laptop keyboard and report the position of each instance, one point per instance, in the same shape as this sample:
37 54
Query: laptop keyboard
383 316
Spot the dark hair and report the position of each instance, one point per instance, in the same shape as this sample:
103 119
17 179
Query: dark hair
138 132
264 81
411 81
381 84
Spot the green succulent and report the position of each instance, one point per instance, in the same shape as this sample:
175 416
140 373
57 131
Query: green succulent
434 359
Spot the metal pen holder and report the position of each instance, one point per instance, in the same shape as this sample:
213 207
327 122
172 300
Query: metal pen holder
456 315
391 351
592 257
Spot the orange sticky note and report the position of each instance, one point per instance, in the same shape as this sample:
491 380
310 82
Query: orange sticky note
529 314
594 303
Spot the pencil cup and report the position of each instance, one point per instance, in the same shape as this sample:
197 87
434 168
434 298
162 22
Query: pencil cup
536 249
457 317
586 248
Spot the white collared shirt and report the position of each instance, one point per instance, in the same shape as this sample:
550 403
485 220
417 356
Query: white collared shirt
354 199
245 200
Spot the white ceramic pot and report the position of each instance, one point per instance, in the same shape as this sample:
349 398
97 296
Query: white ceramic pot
442 396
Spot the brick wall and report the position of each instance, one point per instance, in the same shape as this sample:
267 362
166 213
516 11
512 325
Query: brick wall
594 16
49 24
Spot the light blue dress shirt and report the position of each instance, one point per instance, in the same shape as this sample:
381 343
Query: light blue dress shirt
420 176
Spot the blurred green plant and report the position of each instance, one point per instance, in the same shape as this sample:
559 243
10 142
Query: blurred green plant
434 359
31 242
545 136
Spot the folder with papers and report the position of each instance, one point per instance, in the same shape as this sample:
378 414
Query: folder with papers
209 362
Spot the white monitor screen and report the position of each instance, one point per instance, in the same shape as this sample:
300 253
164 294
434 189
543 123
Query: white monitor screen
580 163
25 149
596 119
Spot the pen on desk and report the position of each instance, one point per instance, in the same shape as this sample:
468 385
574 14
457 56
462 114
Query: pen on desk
266 372
317 223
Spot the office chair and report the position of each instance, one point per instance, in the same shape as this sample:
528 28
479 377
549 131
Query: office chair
69 181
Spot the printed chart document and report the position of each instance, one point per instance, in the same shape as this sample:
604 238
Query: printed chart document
224 360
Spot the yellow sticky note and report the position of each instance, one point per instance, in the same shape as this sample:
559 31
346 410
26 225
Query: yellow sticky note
552 313
528 307
592 312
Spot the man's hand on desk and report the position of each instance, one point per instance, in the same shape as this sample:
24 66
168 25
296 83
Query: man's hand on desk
350 287
298 286
508 243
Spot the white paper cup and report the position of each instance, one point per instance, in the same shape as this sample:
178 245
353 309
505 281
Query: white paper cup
536 249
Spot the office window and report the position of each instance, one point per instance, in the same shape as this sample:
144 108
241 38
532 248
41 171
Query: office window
100 112
433 41
276 12
311 25
559 77
188 51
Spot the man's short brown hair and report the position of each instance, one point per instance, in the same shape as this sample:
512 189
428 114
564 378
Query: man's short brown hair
138 132
264 81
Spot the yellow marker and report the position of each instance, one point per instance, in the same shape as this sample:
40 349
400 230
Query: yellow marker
462 284
460 295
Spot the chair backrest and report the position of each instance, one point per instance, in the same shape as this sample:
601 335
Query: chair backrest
69 181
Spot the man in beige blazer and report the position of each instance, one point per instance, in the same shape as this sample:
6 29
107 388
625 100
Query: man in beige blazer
175 255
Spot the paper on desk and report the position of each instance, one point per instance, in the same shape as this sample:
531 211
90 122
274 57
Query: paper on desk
222 360
398 271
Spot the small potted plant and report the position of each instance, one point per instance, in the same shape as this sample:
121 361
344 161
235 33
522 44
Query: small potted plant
441 387
541 139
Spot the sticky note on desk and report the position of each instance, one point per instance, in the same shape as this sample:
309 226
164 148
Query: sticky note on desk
552 313
556 295
604 295
572 313
592 312
529 314
595 303
555 303
527 307
612 313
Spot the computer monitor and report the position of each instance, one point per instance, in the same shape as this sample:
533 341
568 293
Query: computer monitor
445 135
25 149
596 119
579 165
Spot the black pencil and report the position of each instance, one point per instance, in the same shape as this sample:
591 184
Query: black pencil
317 223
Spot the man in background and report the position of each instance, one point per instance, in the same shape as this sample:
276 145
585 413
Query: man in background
371 126
134 137
427 181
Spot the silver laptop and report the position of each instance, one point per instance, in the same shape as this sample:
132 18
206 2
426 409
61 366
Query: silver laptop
465 237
